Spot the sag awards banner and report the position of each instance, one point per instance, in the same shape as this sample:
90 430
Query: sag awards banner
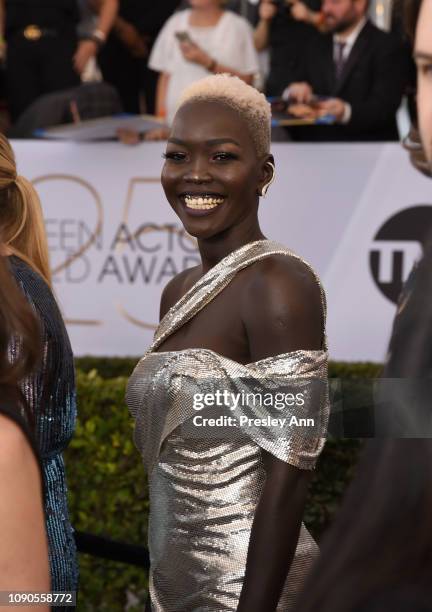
358 213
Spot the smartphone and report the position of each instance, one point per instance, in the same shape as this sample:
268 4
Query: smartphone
183 37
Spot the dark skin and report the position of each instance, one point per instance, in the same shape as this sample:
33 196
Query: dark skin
271 307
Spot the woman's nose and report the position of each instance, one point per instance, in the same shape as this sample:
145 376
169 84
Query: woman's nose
197 173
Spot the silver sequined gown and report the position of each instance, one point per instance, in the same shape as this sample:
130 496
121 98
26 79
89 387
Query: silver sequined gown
204 489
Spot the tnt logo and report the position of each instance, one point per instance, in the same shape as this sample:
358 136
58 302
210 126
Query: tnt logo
397 245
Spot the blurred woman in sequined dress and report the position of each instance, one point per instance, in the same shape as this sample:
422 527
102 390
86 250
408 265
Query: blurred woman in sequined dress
50 391
226 507
22 521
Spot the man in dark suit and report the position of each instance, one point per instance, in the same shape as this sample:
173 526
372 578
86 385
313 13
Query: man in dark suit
359 68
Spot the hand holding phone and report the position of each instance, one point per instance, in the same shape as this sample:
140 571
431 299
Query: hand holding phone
183 37
191 51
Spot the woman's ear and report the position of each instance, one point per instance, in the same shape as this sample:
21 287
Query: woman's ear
267 175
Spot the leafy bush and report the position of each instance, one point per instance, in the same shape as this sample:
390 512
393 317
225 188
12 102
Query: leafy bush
107 367
108 489
111 367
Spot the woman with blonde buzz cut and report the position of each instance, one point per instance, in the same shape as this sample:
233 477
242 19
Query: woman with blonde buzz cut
227 500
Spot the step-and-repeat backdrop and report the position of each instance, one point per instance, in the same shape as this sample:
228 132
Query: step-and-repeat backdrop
357 213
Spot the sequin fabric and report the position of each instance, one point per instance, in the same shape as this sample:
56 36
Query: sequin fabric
51 396
204 489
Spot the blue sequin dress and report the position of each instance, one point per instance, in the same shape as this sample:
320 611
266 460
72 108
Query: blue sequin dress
51 395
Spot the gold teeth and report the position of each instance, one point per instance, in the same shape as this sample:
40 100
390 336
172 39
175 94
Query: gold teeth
204 203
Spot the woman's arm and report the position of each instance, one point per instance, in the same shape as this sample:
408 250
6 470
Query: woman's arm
267 10
22 523
262 35
131 37
222 69
282 312
274 536
161 94
107 12
300 12
194 53
87 48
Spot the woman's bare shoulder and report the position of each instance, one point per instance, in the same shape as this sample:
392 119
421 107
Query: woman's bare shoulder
176 288
287 278
14 446
282 306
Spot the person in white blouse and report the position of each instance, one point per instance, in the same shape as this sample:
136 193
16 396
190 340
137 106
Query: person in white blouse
197 41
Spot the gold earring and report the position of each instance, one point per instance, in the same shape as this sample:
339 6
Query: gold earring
267 185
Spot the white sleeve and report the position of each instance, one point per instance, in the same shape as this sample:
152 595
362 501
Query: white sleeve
161 57
248 55
347 114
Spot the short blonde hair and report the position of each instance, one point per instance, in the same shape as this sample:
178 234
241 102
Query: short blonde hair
245 99
22 227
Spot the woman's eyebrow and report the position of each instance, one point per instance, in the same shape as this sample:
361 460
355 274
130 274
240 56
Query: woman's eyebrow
422 55
212 142
218 141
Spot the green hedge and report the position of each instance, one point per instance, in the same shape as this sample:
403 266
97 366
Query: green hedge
107 367
107 485
107 490
112 367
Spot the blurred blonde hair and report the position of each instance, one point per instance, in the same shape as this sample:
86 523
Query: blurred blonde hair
21 219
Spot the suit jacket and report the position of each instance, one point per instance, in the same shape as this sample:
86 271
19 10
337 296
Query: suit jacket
372 82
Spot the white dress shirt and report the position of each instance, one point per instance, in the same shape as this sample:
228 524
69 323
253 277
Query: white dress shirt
349 44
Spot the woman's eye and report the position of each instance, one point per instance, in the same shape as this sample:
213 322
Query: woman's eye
224 156
174 156
426 70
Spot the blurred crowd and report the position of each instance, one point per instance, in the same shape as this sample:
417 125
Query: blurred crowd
68 60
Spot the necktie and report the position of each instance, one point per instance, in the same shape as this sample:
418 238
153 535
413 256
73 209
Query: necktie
339 59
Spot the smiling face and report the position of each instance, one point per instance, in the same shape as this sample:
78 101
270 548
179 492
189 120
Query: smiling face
212 173
423 57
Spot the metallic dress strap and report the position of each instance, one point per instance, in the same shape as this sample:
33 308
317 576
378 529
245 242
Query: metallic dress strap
216 279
